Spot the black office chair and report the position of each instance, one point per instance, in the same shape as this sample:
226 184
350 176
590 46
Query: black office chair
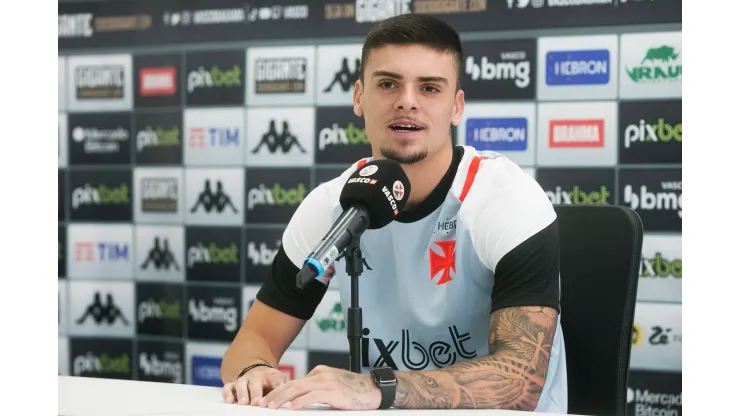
601 251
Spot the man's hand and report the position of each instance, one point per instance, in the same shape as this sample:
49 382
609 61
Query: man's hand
337 388
251 387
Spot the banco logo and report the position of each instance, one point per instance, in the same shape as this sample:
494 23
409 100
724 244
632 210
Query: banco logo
158 81
262 255
334 322
99 82
213 137
222 312
441 353
669 199
159 195
101 313
659 65
276 195
100 195
274 141
161 258
578 196
344 77
78 25
579 67
157 137
576 133
100 141
159 310
658 132
660 267
497 134
214 77
210 200
367 11
151 365
91 363
342 136
212 254
280 75
85 251
512 65
648 403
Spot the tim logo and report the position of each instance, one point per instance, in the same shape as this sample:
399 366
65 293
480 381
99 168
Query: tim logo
87 251
497 134
101 313
210 200
154 82
444 263
284 141
576 133
213 137
441 353
344 77
588 67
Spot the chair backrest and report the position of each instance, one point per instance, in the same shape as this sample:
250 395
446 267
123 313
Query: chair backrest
600 257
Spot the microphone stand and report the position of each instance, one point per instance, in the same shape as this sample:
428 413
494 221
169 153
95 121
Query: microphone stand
353 259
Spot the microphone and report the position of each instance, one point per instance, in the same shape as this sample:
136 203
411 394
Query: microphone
370 199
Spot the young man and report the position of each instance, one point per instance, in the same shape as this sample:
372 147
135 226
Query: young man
462 303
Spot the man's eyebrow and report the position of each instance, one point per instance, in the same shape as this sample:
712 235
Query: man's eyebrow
394 75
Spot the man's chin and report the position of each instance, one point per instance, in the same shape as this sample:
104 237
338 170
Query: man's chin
404 154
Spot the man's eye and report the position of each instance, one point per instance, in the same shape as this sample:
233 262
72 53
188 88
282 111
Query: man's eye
430 88
386 85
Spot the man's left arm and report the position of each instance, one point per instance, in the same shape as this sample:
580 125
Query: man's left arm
512 376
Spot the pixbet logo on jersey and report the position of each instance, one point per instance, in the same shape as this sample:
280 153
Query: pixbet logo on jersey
576 133
579 67
102 251
497 134
213 137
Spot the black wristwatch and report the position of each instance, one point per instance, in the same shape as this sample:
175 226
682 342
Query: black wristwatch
385 379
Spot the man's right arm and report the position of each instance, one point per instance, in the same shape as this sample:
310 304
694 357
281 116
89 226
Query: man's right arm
281 309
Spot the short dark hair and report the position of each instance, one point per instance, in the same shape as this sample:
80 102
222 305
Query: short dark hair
414 29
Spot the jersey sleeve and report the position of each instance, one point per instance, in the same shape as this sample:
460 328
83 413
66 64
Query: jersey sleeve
310 222
515 235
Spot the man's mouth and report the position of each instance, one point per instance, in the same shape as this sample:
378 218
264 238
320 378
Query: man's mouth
405 127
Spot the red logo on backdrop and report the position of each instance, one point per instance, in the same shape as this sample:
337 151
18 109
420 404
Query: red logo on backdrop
84 251
157 81
288 370
577 133
444 263
197 137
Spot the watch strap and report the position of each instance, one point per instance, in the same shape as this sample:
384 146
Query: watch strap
387 390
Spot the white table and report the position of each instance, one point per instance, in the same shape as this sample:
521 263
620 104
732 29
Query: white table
81 396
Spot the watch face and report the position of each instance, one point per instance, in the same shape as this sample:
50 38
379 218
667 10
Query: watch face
385 375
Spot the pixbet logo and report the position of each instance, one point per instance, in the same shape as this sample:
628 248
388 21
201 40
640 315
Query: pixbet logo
84 251
668 200
92 363
488 71
576 195
277 195
335 135
157 137
263 255
151 365
87 195
654 133
150 309
660 267
215 77
212 254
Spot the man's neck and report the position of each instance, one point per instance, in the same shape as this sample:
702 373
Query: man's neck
424 176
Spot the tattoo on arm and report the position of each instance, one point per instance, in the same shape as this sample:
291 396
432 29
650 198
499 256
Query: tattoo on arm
510 377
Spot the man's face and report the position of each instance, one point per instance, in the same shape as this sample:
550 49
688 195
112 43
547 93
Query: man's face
408 100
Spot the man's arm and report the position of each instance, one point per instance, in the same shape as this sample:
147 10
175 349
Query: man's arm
512 376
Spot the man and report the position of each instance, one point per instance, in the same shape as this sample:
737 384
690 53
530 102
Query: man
461 307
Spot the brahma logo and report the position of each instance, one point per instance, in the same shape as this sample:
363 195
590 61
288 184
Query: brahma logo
576 133
157 81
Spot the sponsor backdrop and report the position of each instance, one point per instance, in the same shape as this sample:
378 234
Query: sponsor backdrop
180 164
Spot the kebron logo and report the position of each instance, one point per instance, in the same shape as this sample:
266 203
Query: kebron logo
440 353
576 133
497 134
99 82
577 67
280 75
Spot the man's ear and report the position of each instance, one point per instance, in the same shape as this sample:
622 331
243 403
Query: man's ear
356 98
458 108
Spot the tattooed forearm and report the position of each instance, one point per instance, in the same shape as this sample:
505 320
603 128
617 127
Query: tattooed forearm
511 377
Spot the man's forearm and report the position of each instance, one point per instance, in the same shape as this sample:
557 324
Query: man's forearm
248 349
512 376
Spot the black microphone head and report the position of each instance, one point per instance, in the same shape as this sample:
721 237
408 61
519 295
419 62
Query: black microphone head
381 187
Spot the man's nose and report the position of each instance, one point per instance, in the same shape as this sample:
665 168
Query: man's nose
406 98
